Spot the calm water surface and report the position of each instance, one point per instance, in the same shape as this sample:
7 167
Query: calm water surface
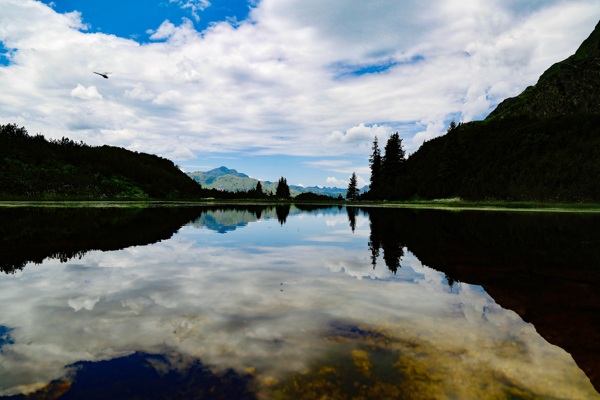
289 303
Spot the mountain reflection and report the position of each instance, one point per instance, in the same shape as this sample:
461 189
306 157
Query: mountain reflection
543 266
33 234
225 219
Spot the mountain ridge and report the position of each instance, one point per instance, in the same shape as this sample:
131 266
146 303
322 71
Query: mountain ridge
567 87
226 179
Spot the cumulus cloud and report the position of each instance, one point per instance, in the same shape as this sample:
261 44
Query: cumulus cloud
271 84
89 93
359 134
335 182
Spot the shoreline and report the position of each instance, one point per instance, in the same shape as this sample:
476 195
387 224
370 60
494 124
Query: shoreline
451 205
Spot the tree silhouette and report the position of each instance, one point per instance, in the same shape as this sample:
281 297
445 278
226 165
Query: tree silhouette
393 158
386 228
257 192
375 164
283 190
32 167
386 170
282 212
353 191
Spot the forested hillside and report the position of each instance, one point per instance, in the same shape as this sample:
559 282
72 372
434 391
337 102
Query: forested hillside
32 167
517 158
543 145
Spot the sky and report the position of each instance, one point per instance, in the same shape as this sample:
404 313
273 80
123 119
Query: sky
272 88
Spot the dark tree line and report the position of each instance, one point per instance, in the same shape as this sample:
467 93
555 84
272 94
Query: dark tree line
386 169
282 192
516 158
32 167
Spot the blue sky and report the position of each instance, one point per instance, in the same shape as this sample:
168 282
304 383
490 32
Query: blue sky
295 88
133 18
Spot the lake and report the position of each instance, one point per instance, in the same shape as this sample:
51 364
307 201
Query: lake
298 302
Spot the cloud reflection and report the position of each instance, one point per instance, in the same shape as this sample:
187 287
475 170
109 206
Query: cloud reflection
263 308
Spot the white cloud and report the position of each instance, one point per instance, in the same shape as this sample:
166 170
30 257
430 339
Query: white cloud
194 6
89 93
433 128
335 182
272 85
359 134
167 97
139 92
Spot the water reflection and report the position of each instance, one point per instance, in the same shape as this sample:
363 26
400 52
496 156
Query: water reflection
543 266
31 235
295 309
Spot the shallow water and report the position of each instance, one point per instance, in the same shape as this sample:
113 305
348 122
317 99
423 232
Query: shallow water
265 302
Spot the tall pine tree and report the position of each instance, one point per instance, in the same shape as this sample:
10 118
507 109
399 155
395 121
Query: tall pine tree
283 190
375 163
353 191
391 165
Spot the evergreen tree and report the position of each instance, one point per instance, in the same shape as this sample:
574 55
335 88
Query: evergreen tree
451 127
393 158
258 191
353 191
283 190
375 163
391 164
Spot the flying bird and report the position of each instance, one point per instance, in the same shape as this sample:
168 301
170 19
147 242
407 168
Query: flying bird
103 74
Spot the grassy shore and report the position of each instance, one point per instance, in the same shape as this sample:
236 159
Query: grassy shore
446 204
457 205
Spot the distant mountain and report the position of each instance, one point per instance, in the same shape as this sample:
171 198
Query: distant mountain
221 171
230 180
543 145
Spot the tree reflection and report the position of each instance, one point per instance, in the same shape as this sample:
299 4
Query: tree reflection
352 213
282 212
544 266
34 234
386 234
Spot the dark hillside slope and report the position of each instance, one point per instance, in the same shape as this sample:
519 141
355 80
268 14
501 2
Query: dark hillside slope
556 159
32 167
543 145
571 86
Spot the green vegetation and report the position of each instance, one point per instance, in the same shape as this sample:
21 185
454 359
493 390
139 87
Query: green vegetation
33 167
512 159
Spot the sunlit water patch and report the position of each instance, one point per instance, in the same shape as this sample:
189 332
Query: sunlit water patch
269 309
